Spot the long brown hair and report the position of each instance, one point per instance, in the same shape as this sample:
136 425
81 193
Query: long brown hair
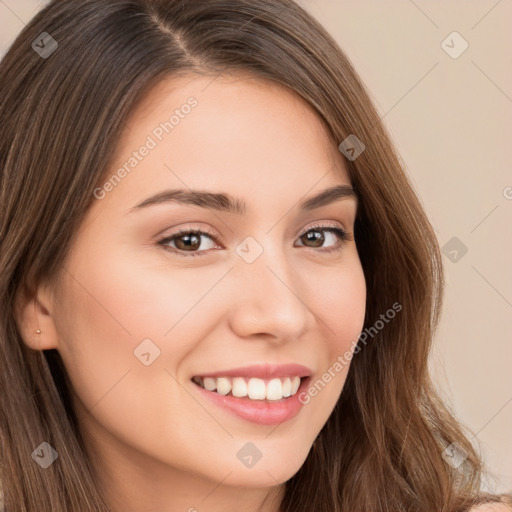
62 115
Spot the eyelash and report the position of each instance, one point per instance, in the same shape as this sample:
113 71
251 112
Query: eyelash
342 234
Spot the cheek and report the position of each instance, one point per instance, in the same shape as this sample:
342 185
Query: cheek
125 325
340 306
95 341
110 315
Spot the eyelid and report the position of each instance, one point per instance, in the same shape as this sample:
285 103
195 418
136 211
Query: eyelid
323 225
215 236
344 234
190 228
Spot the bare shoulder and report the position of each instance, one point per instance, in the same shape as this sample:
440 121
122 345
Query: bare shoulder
492 507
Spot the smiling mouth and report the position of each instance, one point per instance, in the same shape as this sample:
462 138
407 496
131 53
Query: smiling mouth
251 388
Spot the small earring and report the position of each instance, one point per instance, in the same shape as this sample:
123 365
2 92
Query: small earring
38 331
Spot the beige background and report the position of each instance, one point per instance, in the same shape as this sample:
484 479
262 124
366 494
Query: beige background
451 119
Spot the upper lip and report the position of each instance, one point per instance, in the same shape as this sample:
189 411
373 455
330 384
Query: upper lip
262 371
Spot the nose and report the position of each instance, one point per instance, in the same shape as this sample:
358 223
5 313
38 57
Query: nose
268 299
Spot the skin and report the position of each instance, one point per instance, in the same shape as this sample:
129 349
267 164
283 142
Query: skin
155 444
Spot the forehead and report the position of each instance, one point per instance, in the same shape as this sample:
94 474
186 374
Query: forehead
227 105
224 91
243 132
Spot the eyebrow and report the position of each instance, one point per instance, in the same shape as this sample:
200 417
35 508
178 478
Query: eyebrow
225 203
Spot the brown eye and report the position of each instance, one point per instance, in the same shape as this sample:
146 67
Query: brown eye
315 237
190 241
187 242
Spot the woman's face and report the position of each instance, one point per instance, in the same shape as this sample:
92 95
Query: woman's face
139 314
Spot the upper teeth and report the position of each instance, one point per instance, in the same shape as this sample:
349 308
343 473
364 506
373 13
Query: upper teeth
254 388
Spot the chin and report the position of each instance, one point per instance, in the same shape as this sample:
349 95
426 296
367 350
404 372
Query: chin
273 468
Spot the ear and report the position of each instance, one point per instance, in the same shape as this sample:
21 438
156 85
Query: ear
33 311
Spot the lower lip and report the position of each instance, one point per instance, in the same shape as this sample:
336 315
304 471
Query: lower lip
263 412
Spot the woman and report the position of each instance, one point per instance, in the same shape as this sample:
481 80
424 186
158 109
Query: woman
170 339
